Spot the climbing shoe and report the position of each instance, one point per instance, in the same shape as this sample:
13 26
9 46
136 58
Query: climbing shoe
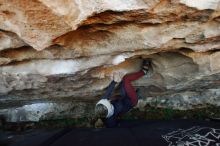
146 66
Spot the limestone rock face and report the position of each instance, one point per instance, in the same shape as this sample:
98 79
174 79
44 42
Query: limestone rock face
57 56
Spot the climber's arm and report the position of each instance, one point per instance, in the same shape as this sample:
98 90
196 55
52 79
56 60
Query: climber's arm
109 90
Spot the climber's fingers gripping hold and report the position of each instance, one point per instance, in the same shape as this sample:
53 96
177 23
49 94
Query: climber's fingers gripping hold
117 76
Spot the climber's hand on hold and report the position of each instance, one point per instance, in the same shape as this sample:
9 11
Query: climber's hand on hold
117 76
101 75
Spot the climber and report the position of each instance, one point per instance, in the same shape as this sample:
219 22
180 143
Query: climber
109 109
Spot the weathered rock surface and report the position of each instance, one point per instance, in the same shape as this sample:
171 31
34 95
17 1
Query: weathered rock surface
56 57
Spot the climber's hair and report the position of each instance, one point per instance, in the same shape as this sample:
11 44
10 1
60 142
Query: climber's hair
101 111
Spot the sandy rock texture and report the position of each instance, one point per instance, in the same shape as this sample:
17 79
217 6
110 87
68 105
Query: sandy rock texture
57 56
